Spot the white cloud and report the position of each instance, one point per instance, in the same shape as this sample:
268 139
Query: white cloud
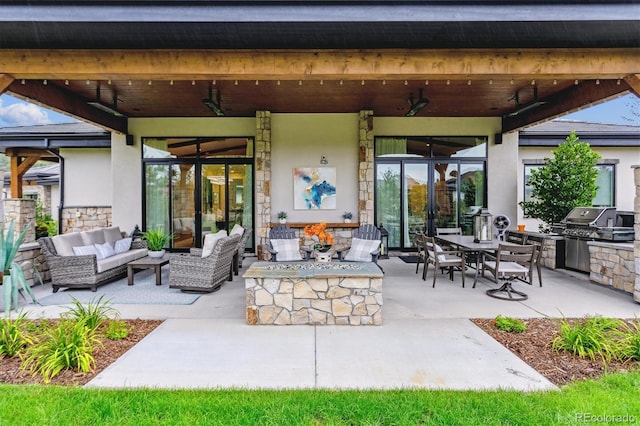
22 114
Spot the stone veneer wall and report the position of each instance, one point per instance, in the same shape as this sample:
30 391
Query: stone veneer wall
76 219
366 176
612 265
316 301
23 213
636 226
262 179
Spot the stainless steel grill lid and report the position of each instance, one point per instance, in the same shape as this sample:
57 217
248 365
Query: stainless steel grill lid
591 216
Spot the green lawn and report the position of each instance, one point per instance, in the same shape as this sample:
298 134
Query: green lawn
614 396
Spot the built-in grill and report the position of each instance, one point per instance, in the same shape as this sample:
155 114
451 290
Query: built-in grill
584 224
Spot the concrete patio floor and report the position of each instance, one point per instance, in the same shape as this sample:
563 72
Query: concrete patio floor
426 340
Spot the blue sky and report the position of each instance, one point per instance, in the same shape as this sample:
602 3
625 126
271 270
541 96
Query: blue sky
16 112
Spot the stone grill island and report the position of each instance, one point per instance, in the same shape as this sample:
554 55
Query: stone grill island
288 293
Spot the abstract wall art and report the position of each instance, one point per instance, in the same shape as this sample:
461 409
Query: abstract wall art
314 188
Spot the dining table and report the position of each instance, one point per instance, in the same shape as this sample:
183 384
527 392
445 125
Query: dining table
468 244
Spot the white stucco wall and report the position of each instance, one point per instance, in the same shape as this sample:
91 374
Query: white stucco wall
300 140
87 177
625 188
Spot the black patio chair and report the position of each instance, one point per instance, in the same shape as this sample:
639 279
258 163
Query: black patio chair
281 233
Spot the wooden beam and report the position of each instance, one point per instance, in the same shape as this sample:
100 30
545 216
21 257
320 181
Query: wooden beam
572 99
5 82
19 167
318 64
633 80
57 98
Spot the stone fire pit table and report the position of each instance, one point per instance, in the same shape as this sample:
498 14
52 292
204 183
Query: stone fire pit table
334 293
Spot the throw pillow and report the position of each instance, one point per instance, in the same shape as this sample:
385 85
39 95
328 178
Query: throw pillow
123 245
85 250
287 250
360 250
210 241
112 234
104 250
237 230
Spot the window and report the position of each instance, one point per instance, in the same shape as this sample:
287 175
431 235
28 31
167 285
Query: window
605 196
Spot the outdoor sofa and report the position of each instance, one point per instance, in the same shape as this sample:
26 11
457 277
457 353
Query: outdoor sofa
89 259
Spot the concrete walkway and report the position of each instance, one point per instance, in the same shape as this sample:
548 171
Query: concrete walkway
426 341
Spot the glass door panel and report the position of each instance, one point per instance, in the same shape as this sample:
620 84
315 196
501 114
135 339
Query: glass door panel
445 183
157 196
240 199
214 197
388 200
471 194
416 201
183 205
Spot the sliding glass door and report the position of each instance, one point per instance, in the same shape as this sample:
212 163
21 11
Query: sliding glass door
199 190
418 193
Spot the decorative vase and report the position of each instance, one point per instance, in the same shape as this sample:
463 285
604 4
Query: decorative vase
284 220
347 221
159 253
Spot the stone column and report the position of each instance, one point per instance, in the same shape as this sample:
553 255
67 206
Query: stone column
636 227
262 179
366 178
23 214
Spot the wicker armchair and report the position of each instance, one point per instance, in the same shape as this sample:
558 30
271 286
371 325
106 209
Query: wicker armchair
242 245
190 272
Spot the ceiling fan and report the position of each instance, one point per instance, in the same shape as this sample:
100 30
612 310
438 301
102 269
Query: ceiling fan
214 106
417 105
113 110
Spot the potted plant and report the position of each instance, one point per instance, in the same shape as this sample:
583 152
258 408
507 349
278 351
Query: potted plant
347 216
282 217
12 276
156 240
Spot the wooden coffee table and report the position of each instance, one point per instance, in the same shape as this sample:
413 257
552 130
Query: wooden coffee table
147 263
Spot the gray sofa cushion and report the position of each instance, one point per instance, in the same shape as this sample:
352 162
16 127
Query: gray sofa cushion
65 243
93 237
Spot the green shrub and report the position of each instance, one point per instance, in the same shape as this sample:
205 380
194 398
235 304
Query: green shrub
67 345
13 335
511 325
117 329
628 344
590 338
93 314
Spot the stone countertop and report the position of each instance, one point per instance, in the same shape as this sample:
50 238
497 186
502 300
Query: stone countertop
312 270
622 245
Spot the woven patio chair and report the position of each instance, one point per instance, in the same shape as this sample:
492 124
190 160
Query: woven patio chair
239 254
190 272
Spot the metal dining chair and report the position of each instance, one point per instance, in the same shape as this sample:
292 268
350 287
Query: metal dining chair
440 258
509 263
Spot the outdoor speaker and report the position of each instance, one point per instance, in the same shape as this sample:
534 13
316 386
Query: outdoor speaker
129 139
497 138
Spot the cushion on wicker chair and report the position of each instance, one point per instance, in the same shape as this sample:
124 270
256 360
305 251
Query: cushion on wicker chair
237 230
210 241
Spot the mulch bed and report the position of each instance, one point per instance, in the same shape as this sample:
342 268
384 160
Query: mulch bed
534 347
10 371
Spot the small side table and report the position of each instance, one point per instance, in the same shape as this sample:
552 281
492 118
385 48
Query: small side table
147 263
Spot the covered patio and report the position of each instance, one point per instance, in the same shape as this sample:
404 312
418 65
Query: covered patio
426 339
